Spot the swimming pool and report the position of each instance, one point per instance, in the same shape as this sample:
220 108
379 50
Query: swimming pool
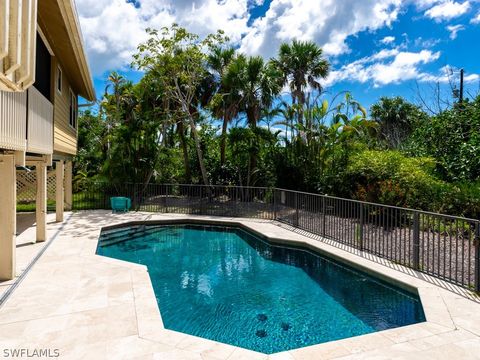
228 285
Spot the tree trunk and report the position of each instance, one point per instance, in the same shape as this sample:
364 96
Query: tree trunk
198 146
183 143
252 165
223 141
300 95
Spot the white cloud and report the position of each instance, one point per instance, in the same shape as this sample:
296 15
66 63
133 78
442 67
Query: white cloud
454 29
386 67
476 19
388 40
425 43
113 28
327 22
446 10
446 75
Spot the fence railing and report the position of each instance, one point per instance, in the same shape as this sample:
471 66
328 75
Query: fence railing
447 247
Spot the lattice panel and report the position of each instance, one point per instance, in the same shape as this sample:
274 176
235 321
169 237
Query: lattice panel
27 187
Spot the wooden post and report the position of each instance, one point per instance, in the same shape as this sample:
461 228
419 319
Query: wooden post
41 202
68 186
59 195
8 200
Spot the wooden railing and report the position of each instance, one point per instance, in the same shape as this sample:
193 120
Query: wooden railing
13 120
26 122
40 123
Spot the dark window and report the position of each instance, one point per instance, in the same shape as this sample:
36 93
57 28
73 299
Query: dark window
73 110
42 68
59 80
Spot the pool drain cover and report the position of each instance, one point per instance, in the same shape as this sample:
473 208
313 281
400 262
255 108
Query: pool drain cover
261 333
262 317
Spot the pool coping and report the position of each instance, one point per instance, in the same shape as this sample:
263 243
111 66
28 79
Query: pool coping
150 324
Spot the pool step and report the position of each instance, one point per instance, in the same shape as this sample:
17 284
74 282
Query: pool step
119 231
115 237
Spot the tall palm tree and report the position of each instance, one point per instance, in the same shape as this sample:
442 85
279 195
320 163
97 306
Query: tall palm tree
222 104
302 65
255 84
116 81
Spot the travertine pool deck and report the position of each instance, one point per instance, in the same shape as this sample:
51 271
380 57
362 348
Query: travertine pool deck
92 307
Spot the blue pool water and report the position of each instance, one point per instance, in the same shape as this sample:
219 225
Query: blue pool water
228 285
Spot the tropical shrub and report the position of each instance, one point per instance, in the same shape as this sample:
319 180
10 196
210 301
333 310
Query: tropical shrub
392 178
453 139
462 199
397 118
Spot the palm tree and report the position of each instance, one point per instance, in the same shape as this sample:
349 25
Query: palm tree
117 81
397 119
255 84
302 65
222 103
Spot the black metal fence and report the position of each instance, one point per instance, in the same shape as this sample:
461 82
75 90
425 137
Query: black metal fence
444 246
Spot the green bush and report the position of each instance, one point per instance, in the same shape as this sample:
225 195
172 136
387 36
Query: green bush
390 177
462 199
453 139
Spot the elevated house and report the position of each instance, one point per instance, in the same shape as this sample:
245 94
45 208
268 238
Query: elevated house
43 70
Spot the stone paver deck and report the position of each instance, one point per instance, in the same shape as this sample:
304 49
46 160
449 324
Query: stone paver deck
27 248
87 306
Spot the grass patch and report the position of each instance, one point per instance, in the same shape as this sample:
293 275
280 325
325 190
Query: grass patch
30 207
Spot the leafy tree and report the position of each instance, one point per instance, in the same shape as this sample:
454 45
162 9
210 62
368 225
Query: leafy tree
453 139
91 145
397 119
177 58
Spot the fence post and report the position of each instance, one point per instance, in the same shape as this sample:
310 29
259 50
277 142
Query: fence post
105 197
202 205
476 243
324 216
274 204
416 240
134 196
360 230
295 222
166 198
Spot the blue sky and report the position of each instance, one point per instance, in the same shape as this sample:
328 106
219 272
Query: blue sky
376 47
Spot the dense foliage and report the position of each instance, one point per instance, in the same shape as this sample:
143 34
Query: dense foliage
453 139
205 113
